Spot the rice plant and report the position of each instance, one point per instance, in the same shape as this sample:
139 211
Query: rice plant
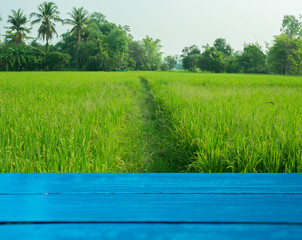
150 122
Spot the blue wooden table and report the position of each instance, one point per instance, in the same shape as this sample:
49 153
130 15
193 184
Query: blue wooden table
150 206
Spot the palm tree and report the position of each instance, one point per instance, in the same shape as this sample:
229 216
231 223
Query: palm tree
47 15
0 21
79 20
17 31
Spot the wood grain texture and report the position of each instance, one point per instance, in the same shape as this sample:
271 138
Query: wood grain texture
201 208
150 183
151 206
153 231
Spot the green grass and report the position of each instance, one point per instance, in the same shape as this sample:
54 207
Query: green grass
150 122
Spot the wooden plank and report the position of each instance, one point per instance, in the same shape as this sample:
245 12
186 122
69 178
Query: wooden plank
201 208
151 231
150 183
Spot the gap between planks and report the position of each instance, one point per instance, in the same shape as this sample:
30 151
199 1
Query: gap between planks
151 223
138 193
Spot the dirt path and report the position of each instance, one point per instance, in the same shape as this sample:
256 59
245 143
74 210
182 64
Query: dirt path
162 153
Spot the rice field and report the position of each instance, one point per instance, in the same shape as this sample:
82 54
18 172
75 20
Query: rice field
149 122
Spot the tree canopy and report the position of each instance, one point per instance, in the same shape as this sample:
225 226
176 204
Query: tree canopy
47 16
17 31
95 44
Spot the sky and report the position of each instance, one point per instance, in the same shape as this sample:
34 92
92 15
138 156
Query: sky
180 23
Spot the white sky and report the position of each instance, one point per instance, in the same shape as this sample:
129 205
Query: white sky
181 23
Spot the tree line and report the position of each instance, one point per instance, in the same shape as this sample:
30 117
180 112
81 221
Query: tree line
283 57
92 44
95 44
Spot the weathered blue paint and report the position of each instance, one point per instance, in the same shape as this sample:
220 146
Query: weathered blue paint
151 231
149 183
151 206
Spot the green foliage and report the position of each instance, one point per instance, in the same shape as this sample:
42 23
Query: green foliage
191 62
137 55
212 60
153 53
165 67
116 43
99 62
79 20
35 59
96 44
17 32
233 63
295 61
291 26
47 16
222 46
93 57
252 60
190 51
12 58
68 44
21 58
103 46
191 57
145 54
284 57
171 62
98 19
56 61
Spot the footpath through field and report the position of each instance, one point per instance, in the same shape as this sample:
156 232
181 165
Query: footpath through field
138 122
163 152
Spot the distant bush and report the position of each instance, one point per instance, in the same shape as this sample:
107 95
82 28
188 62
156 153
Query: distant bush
56 61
